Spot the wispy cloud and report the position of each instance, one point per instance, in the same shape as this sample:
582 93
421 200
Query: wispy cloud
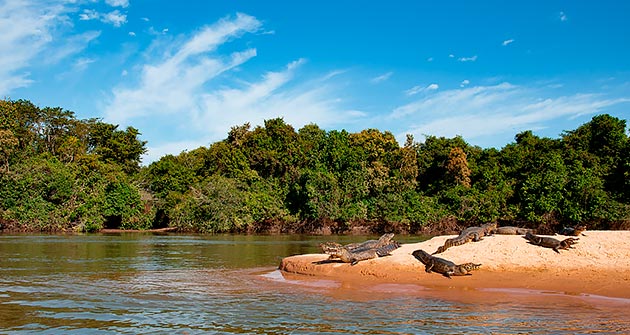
468 59
418 89
169 85
28 29
562 16
71 45
507 42
89 14
381 78
276 94
118 3
82 63
189 88
464 83
115 17
510 108
333 74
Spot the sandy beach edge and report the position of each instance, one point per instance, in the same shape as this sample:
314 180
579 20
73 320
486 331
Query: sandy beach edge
598 265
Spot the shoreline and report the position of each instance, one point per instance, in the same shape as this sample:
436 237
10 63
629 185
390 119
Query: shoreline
598 265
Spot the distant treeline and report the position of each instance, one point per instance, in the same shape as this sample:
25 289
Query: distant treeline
59 173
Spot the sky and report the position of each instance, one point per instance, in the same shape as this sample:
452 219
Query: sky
184 72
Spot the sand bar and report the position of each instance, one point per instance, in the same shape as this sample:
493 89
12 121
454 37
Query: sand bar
598 265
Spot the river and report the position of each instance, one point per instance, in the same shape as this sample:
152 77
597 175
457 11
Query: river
133 283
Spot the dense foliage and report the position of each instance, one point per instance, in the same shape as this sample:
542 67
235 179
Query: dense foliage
60 173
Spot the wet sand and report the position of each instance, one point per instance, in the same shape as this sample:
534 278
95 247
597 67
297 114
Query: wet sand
599 265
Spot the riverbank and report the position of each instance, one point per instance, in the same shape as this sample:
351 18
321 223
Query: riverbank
598 265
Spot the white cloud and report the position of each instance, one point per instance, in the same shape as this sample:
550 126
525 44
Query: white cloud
508 42
89 14
82 63
464 83
131 33
28 29
451 56
414 90
118 3
71 45
381 78
491 110
181 88
430 59
468 59
418 89
333 74
273 96
170 84
562 16
115 18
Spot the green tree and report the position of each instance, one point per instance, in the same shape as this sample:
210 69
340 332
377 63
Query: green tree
217 204
433 156
273 149
602 142
116 146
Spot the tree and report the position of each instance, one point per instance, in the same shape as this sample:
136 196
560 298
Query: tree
215 205
433 155
457 167
273 150
409 161
8 145
116 146
602 143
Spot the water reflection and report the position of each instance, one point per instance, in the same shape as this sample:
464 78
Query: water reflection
132 284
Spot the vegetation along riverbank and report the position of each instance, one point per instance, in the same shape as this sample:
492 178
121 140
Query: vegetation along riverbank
60 173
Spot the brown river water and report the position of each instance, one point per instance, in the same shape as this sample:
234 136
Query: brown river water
229 284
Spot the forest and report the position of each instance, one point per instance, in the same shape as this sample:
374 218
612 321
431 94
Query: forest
63 174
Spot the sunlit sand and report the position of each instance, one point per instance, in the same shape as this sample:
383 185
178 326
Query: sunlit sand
599 264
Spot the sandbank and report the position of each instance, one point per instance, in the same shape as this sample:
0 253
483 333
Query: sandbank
598 265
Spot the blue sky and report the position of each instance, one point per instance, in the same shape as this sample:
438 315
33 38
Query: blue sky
184 72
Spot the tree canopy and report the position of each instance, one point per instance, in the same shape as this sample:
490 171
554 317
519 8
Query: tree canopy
61 173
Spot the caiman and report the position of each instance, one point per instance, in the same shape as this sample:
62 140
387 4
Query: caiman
573 231
550 242
511 230
354 256
328 247
474 234
443 266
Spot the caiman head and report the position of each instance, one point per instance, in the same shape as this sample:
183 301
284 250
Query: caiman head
422 256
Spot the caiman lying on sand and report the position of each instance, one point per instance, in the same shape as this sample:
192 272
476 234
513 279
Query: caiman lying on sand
573 231
550 242
474 234
328 247
354 256
510 230
443 266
